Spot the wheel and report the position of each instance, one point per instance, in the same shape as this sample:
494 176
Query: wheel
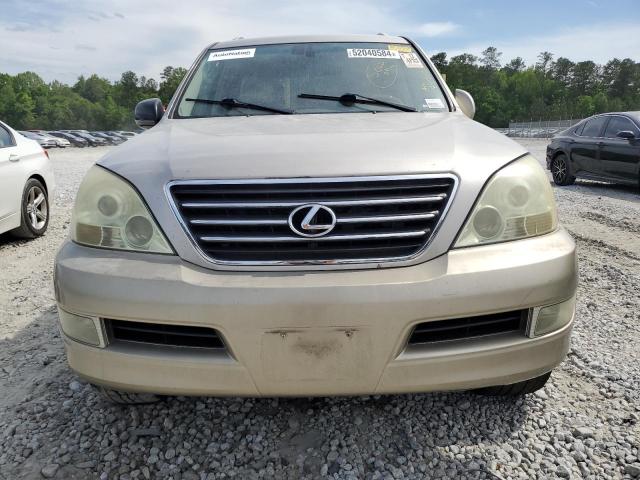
34 209
126 398
516 389
560 171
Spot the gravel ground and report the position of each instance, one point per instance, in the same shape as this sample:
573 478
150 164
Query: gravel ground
584 424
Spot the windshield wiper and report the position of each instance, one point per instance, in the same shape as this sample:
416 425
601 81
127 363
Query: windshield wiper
353 98
233 103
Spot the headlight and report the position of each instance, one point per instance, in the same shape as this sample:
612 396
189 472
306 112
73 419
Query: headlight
109 213
517 202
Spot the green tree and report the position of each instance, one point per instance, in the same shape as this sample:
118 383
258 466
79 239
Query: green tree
545 60
549 90
94 88
490 58
171 78
562 71
24 107
7 104
127 90
515 65
440 61
585 78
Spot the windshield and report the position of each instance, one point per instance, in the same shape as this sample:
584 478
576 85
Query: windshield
270 79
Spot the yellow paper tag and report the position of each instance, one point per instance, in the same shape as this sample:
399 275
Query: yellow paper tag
401 48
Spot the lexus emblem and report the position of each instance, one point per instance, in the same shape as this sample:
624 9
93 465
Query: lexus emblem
312 220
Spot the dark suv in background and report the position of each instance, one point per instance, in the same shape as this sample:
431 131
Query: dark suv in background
602 147
73 139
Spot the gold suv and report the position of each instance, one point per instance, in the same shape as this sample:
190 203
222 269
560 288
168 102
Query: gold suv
315 216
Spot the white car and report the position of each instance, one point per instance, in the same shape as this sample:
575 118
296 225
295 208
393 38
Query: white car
125 133
44 142
60 142
26 181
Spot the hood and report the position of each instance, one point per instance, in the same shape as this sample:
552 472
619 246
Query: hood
318 145
330 145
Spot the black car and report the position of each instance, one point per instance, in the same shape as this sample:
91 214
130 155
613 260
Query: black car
93 141
117 135
74 140
602 147
107 138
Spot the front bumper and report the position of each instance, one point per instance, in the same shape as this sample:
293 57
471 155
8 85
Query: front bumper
285 331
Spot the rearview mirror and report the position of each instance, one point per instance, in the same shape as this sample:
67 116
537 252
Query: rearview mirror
626 134
466 103
149 112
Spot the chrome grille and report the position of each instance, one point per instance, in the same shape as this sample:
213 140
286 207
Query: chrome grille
376 218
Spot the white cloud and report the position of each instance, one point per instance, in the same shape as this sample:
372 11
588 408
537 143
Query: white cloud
110 37
599 42
436 29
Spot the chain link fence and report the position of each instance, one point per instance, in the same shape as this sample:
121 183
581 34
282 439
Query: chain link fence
538 129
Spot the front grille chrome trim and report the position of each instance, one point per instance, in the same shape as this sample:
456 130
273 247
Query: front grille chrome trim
374 262
388 218
335 238
237 222
247 222
328 203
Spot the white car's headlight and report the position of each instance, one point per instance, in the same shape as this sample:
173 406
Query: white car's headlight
109 213
517 202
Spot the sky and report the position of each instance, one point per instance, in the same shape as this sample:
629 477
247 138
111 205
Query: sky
63 39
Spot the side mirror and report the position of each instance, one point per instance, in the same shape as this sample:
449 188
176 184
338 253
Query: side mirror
466 103
149 112
626 134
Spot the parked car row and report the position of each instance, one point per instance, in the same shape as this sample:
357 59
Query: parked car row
526 132
77 138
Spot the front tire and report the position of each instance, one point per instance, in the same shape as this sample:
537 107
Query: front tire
515 389
561 172
34 210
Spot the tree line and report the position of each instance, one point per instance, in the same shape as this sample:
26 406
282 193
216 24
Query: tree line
92 103
550 89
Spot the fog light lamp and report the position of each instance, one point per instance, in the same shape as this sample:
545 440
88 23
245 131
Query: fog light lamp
553 317
79 328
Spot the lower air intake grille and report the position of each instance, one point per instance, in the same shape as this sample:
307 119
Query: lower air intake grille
470 327
349 219
162 334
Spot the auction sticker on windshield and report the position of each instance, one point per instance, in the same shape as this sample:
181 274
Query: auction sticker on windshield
401 48
433 103
371 53
411 60
232 54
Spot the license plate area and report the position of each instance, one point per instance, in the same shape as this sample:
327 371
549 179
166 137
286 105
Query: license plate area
315 354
